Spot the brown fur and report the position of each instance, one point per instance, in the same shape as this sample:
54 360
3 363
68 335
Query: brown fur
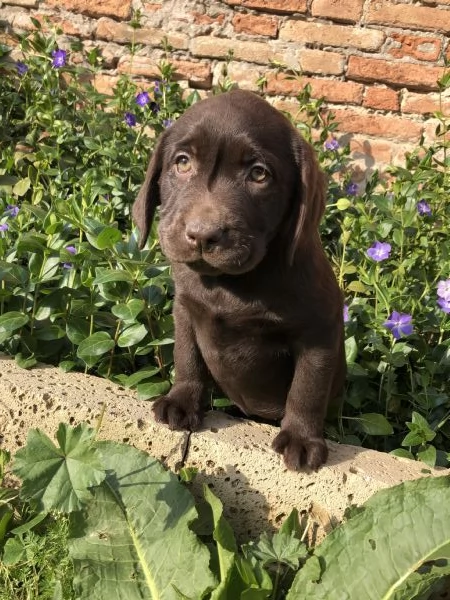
257 307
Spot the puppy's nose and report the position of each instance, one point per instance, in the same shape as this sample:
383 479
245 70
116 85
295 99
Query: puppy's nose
203 235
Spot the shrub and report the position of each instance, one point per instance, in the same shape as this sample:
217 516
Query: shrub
76 290
134 531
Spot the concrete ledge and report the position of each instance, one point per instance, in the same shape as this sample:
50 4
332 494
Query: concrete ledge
233 456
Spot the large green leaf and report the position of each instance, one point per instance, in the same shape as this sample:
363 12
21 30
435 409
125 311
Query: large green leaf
93 347
11 321
58 478
377 553
240 577
134 542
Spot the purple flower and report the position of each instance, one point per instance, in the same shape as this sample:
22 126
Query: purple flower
443 289
346 314
379 251
22 68
399 324
4 227
444 304
12 210
59 58
423 208
331 144
130 119
167 123
157 89
71 249
154 107
352 189
67 265
142 99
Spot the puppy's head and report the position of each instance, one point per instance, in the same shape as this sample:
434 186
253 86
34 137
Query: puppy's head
231 176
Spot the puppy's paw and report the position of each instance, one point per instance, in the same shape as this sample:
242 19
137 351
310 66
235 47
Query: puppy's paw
299 452
177 413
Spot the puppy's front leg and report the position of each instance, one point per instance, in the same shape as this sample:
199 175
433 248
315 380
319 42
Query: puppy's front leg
182 407
300 440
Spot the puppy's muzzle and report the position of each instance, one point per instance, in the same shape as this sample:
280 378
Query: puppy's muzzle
204 236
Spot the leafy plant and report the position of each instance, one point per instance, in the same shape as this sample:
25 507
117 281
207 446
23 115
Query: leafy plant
76 291
134 532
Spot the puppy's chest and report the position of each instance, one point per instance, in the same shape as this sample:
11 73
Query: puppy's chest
223 320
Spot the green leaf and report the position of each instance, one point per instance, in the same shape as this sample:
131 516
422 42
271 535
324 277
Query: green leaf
135 378
375 424
427 455
108 275
59 477
10 322
22 186
402 453
351 350
357 287
146 391
343 204
77 329
93 347
383 546
14 551
161 342
135 542
283 547
107 238
132 335
128 311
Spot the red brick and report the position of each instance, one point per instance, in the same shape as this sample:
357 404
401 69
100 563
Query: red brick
144 66
240 73
110 30
379 151
354 120
382 98
350 10
196 73
152 7
26 3
203 19
255 24
214 47
422 48
19 21
431 128
425 103
410 16
321 62
8 39
105 84
329 89
67 27
141 66
121 9
279 6
292 107
309 32
395 73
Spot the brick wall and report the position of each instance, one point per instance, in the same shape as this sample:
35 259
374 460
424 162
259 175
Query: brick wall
376 62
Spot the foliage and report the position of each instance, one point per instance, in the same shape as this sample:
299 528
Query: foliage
75 290
137 534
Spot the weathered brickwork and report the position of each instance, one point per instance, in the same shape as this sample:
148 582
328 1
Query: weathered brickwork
376 63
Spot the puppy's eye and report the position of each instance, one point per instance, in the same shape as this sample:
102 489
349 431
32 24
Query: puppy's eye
259 174
183 164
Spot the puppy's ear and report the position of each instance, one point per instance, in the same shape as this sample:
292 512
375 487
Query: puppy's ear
148 198
310 200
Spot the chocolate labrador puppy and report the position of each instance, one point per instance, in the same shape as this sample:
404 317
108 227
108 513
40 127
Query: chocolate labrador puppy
257 308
